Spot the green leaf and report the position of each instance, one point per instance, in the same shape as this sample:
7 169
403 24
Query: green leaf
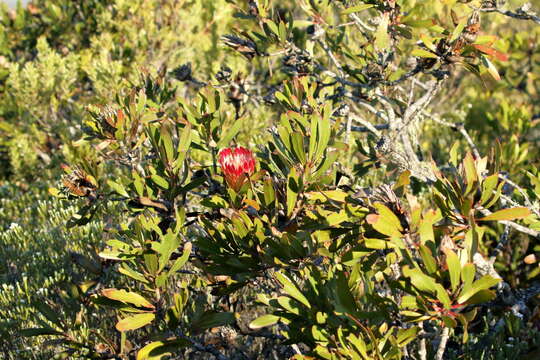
282 31
427 41
488 186
126 270
166 140
424 53
181 261
385 222
144 353
48 312
443 297
127 297
325 196
458 30
264 321
118 188
507 214
428 259
230 133
323 137
382 38
168 244
471 175
297 141
483 283
454 154
344 298
327 162
405 336
420 280
211 319
293 188
454 268
492 70
158 349
467 275
291 289
135 321
418 23
273 27
160 181
289 304
269 193
449 322
39 332
359 344
357 8
183 147
481 296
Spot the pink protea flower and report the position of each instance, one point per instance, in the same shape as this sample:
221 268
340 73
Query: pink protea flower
237 164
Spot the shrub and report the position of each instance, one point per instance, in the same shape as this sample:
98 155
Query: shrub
256 179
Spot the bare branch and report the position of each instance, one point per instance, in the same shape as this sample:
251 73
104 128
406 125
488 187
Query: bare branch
361 25
422 351
459 127
442 344
523 193
370 128
523 13
332 57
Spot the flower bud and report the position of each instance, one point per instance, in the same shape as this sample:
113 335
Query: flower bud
237 164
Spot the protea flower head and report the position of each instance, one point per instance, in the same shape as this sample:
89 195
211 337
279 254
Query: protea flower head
237 164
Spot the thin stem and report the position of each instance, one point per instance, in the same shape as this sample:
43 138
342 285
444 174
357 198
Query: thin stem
422 350
442 344
519 14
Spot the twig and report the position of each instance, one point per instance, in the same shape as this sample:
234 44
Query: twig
342 25
502 242
390 113
371 109
419 104
521 228
422 350
459 127
520 14
262 333
332 57
371 128
361 25
406 76
523 193
367 125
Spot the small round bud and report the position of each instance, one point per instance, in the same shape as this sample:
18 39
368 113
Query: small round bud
183 72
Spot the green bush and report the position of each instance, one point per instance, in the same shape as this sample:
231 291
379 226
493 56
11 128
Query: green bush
269 179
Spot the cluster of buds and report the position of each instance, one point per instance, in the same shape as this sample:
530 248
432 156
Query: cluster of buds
297 62
183 72
246 47
224 74
237 165
104 122
76 182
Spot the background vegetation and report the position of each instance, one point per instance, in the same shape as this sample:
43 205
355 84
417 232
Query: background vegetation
394 209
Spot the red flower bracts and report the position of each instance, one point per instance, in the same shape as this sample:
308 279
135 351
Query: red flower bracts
237 164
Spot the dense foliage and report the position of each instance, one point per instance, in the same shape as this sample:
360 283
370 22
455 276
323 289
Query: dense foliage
269 179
